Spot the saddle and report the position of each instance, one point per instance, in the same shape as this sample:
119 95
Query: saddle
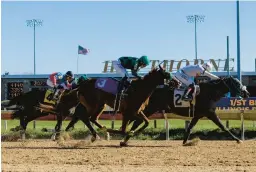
113 86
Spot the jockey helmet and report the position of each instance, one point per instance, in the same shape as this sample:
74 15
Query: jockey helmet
144 60
81 79
207 66
70 74
59 75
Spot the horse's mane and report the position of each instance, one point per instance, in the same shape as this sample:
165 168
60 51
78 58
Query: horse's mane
69 92
149 73
211 82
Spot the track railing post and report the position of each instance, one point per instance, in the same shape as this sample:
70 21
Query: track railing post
242 125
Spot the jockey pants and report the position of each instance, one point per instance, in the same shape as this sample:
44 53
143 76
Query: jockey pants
119 68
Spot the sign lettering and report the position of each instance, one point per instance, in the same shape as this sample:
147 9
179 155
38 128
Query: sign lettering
174 65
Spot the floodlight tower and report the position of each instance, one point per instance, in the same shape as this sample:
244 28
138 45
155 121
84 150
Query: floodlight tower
195 19
34 23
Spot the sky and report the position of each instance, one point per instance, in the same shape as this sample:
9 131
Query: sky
114 29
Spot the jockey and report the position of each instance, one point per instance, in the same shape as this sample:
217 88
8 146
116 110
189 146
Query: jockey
186 76
79 80
59 81
132 63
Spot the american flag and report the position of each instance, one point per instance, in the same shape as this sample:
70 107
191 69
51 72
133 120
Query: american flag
82 50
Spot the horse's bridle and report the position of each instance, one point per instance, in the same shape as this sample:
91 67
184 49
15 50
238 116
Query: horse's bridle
236 88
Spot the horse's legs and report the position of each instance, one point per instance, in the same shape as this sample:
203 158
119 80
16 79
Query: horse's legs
57 127
95 116
136 124
124 126
86 121
75 117
189 129
146 120
72 123
213 116
23 125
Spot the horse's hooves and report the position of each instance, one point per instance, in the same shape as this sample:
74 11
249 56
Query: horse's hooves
122 144
131 133
239 141
53 138
23 137
104 129
93 139
108 136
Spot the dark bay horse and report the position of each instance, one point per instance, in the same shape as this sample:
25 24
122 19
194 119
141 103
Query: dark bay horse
138 93
25 106
210 93
28 107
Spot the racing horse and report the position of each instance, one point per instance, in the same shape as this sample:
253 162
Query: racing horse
163 100
136 97
27 107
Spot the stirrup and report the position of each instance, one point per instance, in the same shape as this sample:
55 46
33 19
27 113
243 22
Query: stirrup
188 98
118 98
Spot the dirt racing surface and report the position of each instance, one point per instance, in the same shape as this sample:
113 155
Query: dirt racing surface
75 155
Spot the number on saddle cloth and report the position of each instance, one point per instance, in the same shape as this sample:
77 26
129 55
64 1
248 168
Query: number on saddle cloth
108 85
178 94
48 97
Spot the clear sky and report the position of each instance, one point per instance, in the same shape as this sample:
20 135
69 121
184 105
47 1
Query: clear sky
113 29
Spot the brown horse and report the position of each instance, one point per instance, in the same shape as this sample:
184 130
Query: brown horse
137 96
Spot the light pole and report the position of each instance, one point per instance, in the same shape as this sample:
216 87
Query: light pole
238 42
195 19
33 23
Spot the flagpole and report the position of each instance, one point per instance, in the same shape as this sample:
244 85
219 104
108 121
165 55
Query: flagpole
77 65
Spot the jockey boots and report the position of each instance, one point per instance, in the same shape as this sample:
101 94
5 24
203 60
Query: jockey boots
188 93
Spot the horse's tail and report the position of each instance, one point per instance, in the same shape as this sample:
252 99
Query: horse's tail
15 101
5 103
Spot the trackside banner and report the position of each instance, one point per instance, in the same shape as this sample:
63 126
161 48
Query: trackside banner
236 104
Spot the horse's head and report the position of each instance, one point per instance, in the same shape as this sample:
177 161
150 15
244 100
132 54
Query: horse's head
236 87
158 75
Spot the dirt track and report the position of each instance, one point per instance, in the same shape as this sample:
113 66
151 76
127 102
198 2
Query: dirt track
46 155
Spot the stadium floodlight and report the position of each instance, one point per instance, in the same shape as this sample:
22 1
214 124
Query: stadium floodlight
195 19
34 23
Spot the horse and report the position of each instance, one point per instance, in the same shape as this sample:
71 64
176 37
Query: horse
210 93
137 95
81 110
162 100
28 107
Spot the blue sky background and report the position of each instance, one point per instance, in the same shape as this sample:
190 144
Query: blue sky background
114 29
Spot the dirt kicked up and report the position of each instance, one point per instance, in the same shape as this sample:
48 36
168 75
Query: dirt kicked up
75 155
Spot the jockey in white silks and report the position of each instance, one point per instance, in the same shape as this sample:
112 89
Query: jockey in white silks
186 76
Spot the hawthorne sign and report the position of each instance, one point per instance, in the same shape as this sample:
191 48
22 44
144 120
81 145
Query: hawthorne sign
174 65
